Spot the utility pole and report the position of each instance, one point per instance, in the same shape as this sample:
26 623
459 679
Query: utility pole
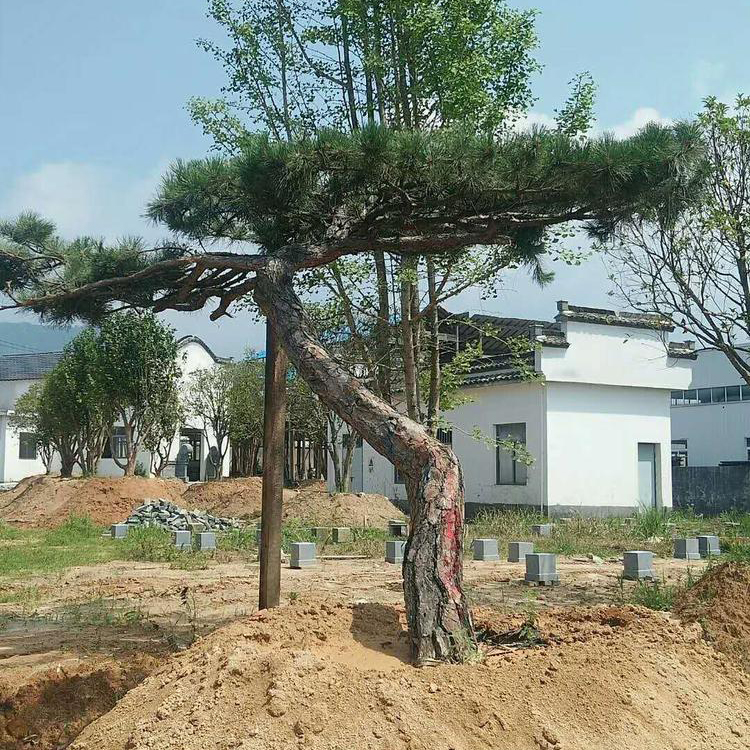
274 422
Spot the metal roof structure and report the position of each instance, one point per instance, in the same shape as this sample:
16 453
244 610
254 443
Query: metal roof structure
27 366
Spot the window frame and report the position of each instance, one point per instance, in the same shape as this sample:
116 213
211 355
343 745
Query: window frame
519 471
24 440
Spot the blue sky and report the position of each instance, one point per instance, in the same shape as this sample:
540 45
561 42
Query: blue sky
94 92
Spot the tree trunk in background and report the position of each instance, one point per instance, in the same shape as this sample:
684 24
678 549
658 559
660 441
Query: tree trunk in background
274 418
382 329
407 342
433 403
436 608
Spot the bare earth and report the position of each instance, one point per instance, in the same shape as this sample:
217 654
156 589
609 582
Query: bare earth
48 501
330 671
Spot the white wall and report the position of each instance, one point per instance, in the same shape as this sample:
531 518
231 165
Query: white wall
593 433
614 355
499 403
715 432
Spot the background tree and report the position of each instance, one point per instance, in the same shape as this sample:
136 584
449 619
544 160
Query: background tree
308 203
692 265
27 416
246 414
160 438
139 376
208 399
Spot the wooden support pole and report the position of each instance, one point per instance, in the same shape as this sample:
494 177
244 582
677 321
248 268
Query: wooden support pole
274 419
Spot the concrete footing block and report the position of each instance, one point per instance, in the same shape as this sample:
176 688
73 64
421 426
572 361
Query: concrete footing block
302 555
321 533
394 551
542 529
182 539
341 534
708 545
486 549
398 528
205 540
686 549
637 565
119 530
517 551
541 567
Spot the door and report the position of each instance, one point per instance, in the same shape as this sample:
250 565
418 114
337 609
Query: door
647 475
194 438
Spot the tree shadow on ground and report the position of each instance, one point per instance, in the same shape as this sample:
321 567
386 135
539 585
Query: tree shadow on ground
378 628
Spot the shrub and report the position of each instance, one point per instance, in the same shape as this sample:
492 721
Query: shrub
149 543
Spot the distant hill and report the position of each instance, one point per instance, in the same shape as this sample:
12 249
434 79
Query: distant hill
17 338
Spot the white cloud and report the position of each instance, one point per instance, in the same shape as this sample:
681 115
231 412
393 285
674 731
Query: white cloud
641 117
85 199
530 119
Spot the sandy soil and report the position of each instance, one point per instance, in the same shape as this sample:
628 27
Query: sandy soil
720 602
609 676
48 501
311 502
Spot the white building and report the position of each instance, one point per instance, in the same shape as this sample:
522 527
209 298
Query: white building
711 417
596 418
18 454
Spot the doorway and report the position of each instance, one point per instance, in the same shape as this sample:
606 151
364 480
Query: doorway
194 438
647 489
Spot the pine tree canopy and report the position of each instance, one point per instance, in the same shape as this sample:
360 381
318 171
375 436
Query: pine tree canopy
311 201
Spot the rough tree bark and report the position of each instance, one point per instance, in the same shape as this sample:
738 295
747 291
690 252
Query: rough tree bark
274 422
436 608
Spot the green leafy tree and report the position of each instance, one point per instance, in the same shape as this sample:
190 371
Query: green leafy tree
139 376
208 400
246 413
27 416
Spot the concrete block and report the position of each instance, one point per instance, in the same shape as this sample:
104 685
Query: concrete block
398 528
486 549
195 527
182 539
257 535
542 529
517 551
708 545
206 540
686 549
394 551
637 564
303 555
341 534
119 530
322 533
541 567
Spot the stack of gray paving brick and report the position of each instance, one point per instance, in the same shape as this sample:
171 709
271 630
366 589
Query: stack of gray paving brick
167 515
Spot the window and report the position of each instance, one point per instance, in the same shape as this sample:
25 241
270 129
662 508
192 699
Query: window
508 469
27 446
677 398
733 393
747 448
718 395
118 443
704 395
745 390
679 453
690 396
445 436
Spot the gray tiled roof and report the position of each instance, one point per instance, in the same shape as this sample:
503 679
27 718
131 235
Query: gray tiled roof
605 317
27 366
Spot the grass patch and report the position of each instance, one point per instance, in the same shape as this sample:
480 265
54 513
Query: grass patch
154 544
76 530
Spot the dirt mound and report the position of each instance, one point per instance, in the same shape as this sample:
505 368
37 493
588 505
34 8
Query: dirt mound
238 498
48 501
49 708
311 502
314 503
334 677
720 602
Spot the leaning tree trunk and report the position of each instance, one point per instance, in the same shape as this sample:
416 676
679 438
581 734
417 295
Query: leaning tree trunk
436 608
